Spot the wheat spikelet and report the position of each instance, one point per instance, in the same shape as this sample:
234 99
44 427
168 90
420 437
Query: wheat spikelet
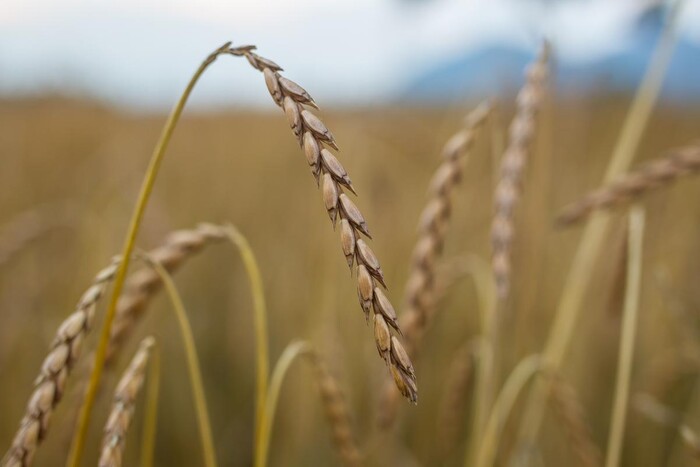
66 347
122 411
142 285
313 135
421 290
521 133
50 384
631 186
337 412
570 411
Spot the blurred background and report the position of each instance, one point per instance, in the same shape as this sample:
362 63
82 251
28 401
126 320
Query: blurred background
85 87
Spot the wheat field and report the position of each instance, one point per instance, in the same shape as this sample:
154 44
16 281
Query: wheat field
489 248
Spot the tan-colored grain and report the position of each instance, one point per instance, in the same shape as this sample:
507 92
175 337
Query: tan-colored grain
629 187
122 412
520 137
315 139
421 290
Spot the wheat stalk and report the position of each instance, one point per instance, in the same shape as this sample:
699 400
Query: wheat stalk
630 187
334 404
520 135
567 406
67 344
313 135
122 411
50 384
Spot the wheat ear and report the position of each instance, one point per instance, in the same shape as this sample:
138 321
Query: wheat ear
421 290
569 409
143 284
122 411
313 135
51 382
334 404
67 344
629 187
520 136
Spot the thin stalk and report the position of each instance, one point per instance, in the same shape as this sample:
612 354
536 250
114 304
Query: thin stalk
629 328
291 353
260 313
193 367
150 423
596 229
514 385
78 446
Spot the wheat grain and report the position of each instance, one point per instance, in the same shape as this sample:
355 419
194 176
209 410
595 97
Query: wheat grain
631 186
66 347
50 384
313 135
142 285
421 291
521 133
122 411
337 412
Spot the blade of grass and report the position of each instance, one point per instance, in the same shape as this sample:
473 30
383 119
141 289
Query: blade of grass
261 337
150 423
78 446
514 385
193 367
596 229
292 352
629 328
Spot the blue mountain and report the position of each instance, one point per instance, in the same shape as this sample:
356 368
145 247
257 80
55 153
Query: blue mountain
496 67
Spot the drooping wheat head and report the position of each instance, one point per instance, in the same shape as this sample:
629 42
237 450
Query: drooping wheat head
631 186
122 411
520 136
315 139
50 384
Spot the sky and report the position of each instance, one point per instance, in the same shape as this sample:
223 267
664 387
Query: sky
141 53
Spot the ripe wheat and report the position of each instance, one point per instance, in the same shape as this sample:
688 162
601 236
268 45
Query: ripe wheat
631 186
313 135
521 133
122 411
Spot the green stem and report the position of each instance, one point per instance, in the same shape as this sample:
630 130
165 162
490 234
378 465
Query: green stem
503 406
291 353
193 367
260 313
78 446
592 241
150 424
629 328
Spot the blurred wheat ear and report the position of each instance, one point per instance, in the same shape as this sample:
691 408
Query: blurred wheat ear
332 398
122 412
420 294
630 187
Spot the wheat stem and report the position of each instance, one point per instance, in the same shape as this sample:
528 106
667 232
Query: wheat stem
260 313
575 287
629 328
193 367
77 448
514 385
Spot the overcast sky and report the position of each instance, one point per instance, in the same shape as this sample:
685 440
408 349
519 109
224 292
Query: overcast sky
142 52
